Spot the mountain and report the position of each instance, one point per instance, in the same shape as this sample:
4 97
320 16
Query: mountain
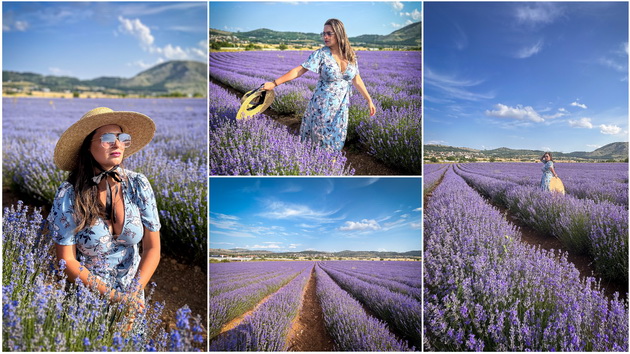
181 77
612 151
312 253
408 36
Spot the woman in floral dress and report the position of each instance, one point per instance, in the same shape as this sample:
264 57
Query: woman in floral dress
326 118
548 171
102 212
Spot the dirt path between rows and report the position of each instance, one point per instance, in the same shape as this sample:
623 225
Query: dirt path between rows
583 263
363 164
308 332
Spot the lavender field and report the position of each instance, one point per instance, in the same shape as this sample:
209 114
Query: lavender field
253 306
39 311
484 289
393 79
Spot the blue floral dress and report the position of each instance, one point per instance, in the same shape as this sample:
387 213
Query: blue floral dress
546 177
114 260
326 118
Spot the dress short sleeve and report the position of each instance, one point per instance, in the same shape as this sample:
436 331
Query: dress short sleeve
145 200
314 61
61 218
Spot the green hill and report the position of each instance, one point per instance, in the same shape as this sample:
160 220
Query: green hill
173 77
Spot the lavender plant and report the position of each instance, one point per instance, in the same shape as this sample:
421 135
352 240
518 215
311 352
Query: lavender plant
266 329
348 324
42 311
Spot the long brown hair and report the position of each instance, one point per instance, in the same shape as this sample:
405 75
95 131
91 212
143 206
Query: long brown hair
346 50
87 206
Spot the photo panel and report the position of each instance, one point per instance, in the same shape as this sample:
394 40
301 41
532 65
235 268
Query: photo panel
315 264
104 140
526 176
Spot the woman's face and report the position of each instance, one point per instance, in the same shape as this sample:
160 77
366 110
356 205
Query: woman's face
546 157
111 155
329 41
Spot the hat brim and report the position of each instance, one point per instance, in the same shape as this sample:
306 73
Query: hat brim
246 111
139 126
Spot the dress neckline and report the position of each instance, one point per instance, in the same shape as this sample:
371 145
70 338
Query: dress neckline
338 66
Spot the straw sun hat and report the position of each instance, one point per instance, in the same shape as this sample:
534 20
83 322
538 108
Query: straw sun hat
140 127
254 102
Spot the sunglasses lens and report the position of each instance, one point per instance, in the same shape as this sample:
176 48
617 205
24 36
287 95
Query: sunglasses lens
108 138
125 139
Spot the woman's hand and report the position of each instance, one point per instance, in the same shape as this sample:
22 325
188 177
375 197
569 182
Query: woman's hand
372 109
268 86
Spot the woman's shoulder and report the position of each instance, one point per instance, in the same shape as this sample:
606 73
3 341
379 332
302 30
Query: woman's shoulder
65 189
134 177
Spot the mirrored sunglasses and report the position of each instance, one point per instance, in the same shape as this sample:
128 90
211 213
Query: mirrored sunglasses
327 34
109 139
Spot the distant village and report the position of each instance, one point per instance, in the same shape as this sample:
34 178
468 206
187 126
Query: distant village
218 257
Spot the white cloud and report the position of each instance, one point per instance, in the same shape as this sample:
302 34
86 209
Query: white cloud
396 25
140 31
9 24
529 51
360 226
539 13
578 104
267 245
415 15
294 245
281 210
137 29
418 209
519 112
416 225
561 113
581 123
403 216
593 146
397 5
609 129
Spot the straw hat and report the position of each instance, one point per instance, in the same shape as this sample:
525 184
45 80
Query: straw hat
254 102
140 127
556 185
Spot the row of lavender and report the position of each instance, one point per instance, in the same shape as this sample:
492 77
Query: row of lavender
175 161
596 181
390 289
260 146
486 290
599 229
228 303
432 175
42 311
392 78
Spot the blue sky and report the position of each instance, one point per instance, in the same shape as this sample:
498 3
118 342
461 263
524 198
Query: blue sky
358 17
550 76
323 214
88 40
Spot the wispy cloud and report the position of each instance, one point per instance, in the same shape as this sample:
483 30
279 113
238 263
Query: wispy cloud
232 233
529 50
578 104
455 87
282 210
519 112
609 129
418 209
362 225
397 5
581 123
538 14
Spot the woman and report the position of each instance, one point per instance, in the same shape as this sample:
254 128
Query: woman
548 171
102 212
326 118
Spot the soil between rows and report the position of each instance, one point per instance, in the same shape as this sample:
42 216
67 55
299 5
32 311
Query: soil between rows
582 263
308 332
363 163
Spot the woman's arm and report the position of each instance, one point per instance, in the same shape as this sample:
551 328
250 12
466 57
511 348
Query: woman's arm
75 270
553 171
290 75
150 256
358 83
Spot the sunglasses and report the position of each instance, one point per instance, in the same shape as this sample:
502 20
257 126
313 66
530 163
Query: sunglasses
329 34
108 140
